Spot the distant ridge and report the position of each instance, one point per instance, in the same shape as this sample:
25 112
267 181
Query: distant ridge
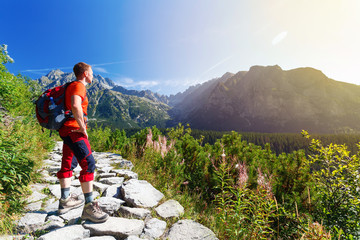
269 99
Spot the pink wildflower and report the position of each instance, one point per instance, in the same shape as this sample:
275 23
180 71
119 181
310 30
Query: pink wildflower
263 183
243 176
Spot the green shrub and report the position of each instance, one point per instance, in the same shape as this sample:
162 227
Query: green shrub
336 177
243 213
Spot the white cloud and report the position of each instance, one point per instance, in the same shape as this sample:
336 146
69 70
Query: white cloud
41 70
100 69
280 37
130 83
147 84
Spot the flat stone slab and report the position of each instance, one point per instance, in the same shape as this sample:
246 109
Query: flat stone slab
112 191
170 208
139 213
51 180
101 238
140 193
107 175
125 173
36 196
132 237
32 221
188 229
102 165
110 205
73 232
116 227
37 187
72 216
105 170
35 206
112 180
56 190
52 206
101 187
16 237
53 222
75 183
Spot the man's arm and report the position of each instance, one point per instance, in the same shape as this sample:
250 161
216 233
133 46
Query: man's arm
78 113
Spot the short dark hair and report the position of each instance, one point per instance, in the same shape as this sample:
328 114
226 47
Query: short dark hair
80 68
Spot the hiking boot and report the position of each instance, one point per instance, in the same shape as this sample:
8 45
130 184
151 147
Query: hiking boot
93 212
71 202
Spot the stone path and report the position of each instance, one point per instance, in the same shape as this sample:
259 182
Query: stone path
133 204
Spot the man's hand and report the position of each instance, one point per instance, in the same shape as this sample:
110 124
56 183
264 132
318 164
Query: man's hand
81 130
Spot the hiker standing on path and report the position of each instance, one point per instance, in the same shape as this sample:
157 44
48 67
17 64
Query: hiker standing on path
76 149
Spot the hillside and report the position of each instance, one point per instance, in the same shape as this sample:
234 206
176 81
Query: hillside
269 99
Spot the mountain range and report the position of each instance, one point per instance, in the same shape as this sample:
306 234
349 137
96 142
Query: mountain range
263 99
112 105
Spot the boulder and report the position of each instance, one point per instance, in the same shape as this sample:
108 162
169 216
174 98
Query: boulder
170 208
51 206
36 196
53 222
117 227
32 222
35 206
101 238
72 216
154 228
56 190
112 191
140 193
37 187
125 173
51 180
188 229
73 232
139 213
102 165
75 183
105 170
112 180
109 204
107 175
100 187
132 237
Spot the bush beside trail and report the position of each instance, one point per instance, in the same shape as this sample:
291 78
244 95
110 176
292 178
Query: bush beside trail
22 143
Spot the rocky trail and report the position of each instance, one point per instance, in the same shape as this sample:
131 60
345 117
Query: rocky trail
137 210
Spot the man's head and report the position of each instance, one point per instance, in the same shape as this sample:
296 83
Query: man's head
83 71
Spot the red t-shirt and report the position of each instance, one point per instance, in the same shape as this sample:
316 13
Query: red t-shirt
75 88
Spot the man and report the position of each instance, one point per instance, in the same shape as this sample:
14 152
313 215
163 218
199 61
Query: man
76 149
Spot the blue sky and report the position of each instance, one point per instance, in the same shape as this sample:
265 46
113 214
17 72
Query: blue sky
166 46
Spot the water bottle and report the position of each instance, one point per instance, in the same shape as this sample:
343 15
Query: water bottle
52 105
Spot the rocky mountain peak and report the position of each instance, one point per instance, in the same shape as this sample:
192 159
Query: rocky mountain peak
55 74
